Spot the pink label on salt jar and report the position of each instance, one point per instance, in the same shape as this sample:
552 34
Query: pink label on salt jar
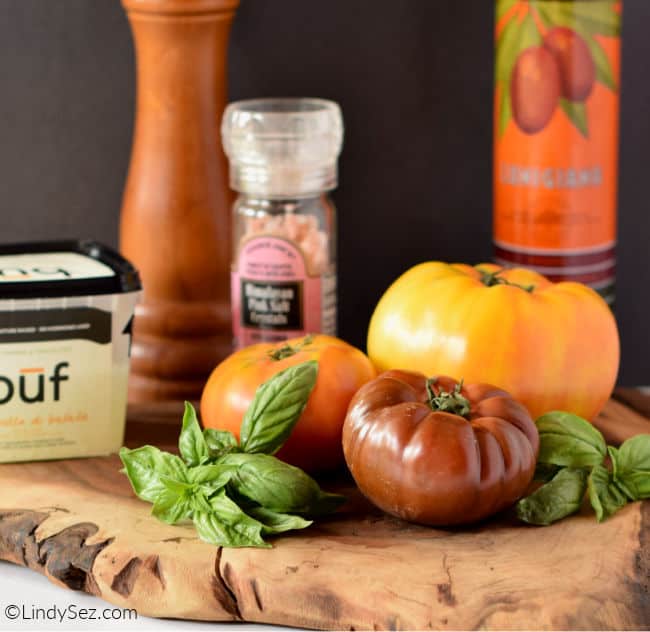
273 296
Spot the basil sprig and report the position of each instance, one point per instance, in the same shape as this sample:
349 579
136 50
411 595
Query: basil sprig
571 462
235 493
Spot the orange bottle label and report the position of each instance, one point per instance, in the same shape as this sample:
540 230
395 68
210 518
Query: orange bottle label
556 107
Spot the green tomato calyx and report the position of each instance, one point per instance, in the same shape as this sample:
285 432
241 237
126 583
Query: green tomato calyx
490 279
286 350
454 402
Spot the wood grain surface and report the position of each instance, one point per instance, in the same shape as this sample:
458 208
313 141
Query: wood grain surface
78 523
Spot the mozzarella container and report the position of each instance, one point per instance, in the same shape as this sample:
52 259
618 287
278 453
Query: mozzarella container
66 310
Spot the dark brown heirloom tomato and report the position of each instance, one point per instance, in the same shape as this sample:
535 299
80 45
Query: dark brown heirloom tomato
534 89
436 452
576 65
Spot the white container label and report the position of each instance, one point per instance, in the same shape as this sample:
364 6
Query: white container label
51 266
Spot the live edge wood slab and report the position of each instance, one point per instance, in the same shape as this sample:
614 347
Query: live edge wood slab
78 523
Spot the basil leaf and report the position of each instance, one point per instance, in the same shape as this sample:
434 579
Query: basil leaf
631 463
172 503
175 485
634 454
560 497
145 466
278 486
170 508
220 442
276 407
272 483
613 455
544 472
616 472
275 522
605 497
569 440
199 502
636 485
326 503
227 525
191 444
211 478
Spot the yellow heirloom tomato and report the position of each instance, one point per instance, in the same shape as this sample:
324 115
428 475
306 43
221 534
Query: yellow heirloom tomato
552 346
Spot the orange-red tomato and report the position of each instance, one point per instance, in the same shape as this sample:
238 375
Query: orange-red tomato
552 346
315 443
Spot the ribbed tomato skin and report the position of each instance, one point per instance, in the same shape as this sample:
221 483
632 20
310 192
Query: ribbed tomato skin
435 467
553 348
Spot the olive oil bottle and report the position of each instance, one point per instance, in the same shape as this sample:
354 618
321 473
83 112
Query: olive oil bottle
556 107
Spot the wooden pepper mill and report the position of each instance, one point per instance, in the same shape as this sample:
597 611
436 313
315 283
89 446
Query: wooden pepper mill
175 223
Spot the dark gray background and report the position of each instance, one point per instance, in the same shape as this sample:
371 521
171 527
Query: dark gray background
414 79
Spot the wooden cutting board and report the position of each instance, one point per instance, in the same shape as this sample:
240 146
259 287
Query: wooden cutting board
78 523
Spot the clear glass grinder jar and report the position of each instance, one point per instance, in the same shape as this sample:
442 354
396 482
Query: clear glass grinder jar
283 163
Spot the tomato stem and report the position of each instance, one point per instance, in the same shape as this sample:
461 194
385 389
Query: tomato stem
454 402
286 350
490 279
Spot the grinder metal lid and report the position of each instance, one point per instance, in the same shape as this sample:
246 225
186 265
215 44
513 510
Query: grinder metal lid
50 269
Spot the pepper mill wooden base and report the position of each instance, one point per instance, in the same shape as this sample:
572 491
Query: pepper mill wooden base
175 222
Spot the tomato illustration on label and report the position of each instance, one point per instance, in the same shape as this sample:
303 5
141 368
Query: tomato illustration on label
549 55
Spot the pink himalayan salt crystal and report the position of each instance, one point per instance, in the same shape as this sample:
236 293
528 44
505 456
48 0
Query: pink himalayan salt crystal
301 230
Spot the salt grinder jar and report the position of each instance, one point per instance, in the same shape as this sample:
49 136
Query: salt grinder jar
283 163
